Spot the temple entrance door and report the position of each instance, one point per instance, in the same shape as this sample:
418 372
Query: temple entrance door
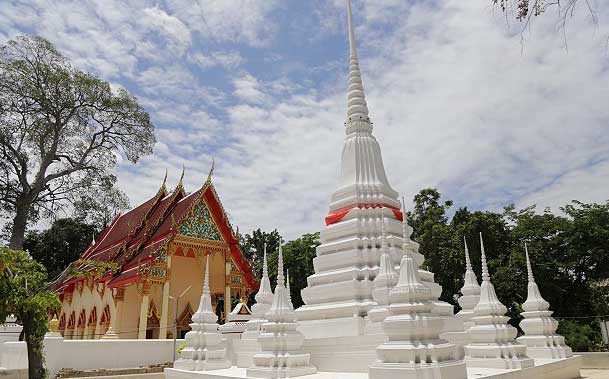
184 321
153 324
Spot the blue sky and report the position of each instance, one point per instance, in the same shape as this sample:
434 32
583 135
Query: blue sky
461 99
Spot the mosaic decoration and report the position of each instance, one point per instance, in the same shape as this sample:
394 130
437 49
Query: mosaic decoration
201 225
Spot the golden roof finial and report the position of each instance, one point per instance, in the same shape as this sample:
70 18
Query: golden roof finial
211 171
163 185
180 184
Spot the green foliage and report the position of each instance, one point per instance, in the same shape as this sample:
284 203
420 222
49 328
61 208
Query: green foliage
580 335
24 293
59 245
569 254
297 259
61 131
252 247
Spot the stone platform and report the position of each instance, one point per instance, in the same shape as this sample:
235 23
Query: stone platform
544 369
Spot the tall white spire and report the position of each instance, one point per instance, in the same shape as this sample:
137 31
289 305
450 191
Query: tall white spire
357 107
493 343
412 331
538 325
203 349
264 299
281 354
529 269
468 263
470 292
485 275
265 293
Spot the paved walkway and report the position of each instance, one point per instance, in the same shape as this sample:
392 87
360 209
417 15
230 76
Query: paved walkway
595 374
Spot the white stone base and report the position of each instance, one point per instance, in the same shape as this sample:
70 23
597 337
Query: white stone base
284 372
546 347
333 327
343 354
444 370
500 363
241 373
190 365
554 352
459 339
245 349
544 369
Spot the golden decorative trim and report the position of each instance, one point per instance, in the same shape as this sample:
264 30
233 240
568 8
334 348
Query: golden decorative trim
197 244
119 294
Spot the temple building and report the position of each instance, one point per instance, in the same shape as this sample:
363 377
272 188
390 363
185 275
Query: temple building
127 282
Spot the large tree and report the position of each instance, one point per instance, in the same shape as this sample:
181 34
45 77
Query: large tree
61 131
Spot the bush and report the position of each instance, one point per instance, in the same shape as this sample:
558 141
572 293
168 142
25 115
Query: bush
581 335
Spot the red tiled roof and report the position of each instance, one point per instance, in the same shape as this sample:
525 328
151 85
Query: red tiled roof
121 229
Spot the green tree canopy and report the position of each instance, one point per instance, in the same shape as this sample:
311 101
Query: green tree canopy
569 254
297 259
24 293
60 245
61 131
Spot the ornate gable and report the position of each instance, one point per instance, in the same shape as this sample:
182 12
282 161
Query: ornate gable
200 224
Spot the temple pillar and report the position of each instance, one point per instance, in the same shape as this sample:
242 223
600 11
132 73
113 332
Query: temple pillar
115 320
85 333
165 305
144 311
227 294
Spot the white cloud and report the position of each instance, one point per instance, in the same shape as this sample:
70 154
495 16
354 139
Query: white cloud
248 89
455 102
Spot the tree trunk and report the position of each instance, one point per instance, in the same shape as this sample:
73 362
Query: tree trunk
34 348
19 225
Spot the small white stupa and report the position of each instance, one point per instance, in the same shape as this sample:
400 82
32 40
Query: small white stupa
281 354
249 345
539 326
470 292
384 281
264 300
493 343
414 348
204 349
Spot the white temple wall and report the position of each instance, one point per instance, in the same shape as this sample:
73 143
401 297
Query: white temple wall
90 354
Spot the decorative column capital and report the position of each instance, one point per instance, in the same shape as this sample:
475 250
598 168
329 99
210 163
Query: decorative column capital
119 295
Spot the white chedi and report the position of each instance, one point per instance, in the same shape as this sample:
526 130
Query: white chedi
538 325
204 350
281 354
384 281
414 348
493 343
264 300
470 292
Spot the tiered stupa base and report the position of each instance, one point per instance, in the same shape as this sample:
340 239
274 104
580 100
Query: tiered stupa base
287 365
497 355
452 369
546 347
211 364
